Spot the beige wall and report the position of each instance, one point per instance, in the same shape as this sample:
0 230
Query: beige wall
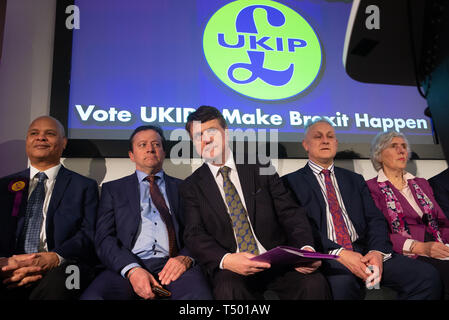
25 75
104 170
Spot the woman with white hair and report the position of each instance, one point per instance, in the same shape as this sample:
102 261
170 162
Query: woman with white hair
418 227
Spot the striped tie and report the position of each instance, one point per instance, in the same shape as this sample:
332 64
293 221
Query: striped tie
341 231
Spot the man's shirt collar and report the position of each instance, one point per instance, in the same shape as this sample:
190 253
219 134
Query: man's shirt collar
51 173
316 168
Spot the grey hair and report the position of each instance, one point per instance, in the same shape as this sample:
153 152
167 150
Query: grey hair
315 120
381 142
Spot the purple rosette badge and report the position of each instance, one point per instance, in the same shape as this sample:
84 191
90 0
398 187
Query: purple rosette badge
17 187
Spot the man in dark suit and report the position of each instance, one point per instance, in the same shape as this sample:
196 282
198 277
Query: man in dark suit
47 220
139 231
440 186
346 222
235 211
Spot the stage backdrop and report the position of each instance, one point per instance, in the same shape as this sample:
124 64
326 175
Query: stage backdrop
265 64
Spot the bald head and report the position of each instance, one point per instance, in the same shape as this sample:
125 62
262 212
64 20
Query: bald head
315 120
321 143
56 121
45 142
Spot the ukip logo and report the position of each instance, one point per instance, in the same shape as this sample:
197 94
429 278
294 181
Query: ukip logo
262 49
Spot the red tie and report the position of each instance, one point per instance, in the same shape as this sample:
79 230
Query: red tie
161 206
341 231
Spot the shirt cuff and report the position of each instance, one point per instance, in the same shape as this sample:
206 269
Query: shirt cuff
127 268
192 260
385 256
336 252
308 247
406 248
221 261
61 259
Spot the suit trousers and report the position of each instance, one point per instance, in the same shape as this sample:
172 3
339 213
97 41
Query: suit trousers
52 286
410 278
110 285
274 283
443 268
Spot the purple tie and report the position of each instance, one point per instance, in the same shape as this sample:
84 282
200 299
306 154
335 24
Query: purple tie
161 206
341 231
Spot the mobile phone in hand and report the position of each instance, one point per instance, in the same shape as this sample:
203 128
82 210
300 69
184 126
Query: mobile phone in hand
161 291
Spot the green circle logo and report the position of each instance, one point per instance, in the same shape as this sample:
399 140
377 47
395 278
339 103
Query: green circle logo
262 49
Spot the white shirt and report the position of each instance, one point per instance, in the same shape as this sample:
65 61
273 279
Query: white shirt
316 169
234 177
49 185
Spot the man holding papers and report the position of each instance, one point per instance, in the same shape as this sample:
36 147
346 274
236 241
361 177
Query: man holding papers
234 212
290 256
346 222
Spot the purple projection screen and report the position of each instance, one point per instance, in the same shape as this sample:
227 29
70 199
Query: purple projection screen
265 64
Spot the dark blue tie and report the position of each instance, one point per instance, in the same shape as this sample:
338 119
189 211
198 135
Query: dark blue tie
34 216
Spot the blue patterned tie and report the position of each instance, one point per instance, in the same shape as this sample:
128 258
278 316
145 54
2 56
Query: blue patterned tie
245 238
34 216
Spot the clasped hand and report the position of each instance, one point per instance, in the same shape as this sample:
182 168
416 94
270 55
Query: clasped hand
360 265
24 269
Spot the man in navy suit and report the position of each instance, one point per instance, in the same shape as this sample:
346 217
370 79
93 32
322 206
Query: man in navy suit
34 255
139 231
440 186
346 222
237 210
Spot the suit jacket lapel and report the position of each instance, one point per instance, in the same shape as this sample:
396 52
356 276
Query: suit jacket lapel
212 194
346 195
172 195
246 177
23 205
171 190
133 194
310 176
62 181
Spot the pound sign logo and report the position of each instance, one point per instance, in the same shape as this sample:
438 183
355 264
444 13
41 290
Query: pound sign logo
262 49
